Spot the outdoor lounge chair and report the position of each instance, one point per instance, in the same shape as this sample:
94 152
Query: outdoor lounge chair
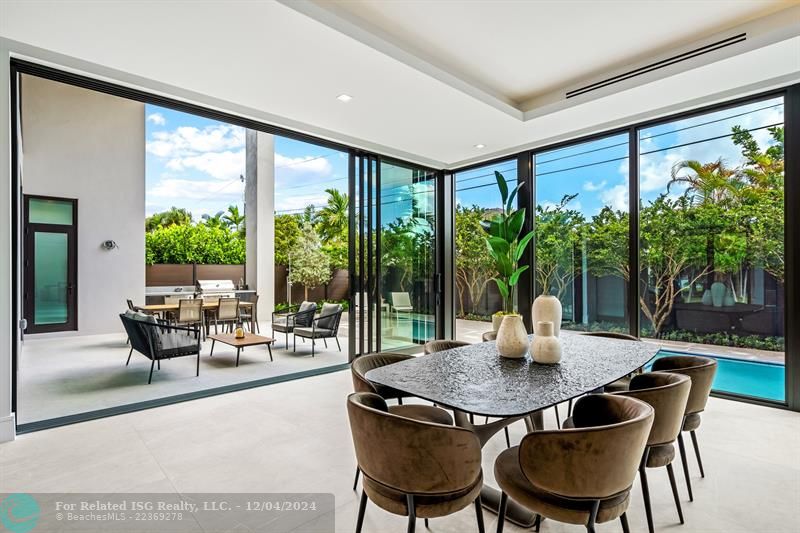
325 326
302 315
401 303
158 341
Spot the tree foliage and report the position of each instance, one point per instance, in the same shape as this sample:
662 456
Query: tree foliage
174 216
310 265
194 243
474 267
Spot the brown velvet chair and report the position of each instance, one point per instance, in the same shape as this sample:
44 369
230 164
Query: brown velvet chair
442 345
667 394
489 336
702 371
413 468
583 475
358 370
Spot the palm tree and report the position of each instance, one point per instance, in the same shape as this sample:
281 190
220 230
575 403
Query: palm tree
709 183
214 221
234 219
333 217
173 217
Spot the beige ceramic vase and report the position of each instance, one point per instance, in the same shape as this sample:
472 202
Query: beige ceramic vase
496 321
546 348
546 308
512 338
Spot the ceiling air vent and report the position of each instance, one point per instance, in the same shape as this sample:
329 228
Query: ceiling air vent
659 64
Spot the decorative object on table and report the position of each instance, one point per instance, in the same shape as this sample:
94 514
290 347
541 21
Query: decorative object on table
239 330
512 338
706 297
546 308
717 293
506 247
546 348
729 300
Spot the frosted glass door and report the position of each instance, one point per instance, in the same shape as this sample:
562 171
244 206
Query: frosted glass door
51 283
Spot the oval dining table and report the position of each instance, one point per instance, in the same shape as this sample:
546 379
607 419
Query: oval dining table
475 380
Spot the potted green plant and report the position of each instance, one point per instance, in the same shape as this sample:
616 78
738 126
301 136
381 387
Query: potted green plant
506 247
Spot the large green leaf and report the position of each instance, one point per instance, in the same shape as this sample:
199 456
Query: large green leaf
504 266
501 184
502 287
514 279
494 227
515 222
498 245
513 195
523 243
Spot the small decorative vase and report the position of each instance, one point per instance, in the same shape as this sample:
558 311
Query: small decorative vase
706 297
546 347
512 339
546 308
717 293
239 333
496 321
729 300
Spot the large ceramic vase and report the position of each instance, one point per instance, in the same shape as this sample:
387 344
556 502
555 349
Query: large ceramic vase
546 308
546 347
497 319
512 339
729 300
717 293
707 297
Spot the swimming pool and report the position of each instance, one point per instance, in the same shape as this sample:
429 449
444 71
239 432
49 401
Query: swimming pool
758 379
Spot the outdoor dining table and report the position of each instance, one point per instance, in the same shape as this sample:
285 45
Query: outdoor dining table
207 306
476 380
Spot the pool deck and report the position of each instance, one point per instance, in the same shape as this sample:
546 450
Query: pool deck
471 331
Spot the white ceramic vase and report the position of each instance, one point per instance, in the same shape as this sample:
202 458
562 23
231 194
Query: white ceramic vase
496 321
512 339
729 300
717 293
546 347
546 308
706 297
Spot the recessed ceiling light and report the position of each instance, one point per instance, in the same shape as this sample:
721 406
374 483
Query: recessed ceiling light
344 97
479 146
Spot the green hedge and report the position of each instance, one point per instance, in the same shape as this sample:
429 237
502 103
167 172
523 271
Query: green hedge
196 243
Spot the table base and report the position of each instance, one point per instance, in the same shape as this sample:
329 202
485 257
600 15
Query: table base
515 513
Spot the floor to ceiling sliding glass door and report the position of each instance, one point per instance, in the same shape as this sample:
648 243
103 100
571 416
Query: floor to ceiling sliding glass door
395 285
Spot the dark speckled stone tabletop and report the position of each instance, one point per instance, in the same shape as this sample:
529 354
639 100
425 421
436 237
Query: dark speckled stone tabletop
476 379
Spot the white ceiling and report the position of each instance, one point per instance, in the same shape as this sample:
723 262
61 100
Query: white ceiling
276 63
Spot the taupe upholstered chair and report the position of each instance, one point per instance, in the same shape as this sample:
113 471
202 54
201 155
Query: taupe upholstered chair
363 364
667 394
190 313
583 475
227 314
702 371
250 314
413 468
441 345
489 336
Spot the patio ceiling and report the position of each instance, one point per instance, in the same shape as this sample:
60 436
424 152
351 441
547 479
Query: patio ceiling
491 74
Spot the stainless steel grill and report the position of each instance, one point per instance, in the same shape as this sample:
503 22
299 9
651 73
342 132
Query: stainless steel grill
216 288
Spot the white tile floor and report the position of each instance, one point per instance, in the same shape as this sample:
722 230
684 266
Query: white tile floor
294 437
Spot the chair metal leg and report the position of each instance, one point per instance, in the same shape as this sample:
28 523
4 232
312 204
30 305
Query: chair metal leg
675 495
129 357
501 512
159 364
697 453
325 342
479 514
355 482
361 508
569 408
682 449
624 521
294 342
426 524
537 523
337 343
313 345
508 438
412 513
593 516
152 365
558 418
646 494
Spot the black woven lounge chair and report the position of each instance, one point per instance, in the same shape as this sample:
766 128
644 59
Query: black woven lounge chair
158 341
325 326
285 322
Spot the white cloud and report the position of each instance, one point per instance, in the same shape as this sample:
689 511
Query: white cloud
306 164
219 165
157 119
299 202
616 197
169 189
589 186
188 141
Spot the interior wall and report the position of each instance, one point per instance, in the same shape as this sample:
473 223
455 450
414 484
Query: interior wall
90 146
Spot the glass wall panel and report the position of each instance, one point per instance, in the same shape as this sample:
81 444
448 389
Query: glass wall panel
407 225
712 242
51 256
582 232
477 198
45 211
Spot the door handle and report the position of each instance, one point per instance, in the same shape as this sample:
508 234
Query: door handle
69 289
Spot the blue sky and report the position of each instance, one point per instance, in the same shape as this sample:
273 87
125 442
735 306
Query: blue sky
597 171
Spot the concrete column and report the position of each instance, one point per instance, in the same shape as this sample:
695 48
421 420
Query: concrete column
259 212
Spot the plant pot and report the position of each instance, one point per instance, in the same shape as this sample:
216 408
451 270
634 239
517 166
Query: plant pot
546 308
718 293
512 339
546 347
706 297
729 300
496 321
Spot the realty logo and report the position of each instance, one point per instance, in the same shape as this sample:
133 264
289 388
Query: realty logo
19 513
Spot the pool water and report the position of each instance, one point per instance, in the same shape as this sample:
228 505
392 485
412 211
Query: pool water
758 379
